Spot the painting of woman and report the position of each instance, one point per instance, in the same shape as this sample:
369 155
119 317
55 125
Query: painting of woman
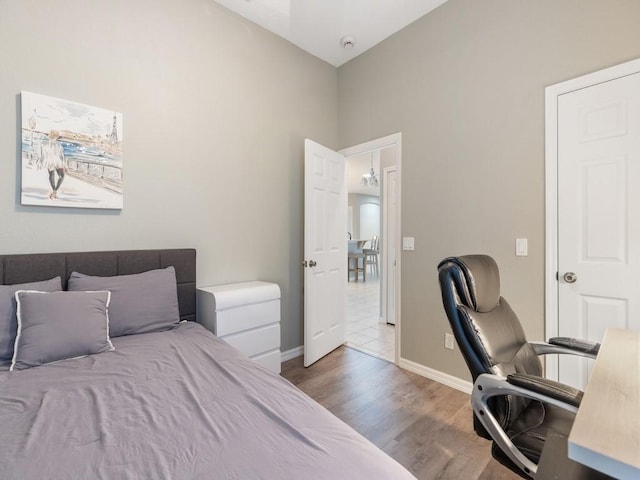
52 159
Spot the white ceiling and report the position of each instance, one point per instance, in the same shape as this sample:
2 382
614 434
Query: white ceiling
318 26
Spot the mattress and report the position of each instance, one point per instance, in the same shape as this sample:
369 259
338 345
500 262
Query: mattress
180 404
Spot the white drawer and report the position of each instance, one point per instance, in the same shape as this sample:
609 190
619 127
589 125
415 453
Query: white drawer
271 360
255 341
234 295
246 317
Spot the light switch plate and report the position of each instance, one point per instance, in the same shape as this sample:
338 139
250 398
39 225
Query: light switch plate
408 243
448 341
522 247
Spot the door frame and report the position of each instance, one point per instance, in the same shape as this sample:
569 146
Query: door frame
551 189
393 140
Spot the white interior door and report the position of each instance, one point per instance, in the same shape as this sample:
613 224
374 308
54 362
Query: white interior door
325 250
598 215
389 272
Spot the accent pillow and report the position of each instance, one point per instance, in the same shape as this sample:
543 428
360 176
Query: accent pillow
140 303
8 322
54 326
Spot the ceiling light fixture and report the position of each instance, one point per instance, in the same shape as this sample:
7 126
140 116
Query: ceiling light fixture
370 179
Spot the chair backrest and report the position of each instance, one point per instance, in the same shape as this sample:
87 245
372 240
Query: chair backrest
488 332
374 243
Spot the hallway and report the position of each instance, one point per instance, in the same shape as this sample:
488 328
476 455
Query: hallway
364 332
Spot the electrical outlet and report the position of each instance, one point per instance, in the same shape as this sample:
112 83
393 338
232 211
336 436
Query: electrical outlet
448 341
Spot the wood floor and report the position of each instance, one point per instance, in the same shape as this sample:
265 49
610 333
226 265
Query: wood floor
424 425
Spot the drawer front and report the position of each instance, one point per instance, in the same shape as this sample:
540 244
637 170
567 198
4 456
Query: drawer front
245 293
271 360
246 317
256 341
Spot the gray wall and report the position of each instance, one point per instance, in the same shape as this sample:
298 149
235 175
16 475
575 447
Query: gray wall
387 159
215 113
465 86
216 109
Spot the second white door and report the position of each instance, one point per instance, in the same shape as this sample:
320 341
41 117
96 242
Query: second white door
598 215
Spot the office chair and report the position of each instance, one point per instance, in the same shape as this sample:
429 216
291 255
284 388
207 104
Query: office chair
513 405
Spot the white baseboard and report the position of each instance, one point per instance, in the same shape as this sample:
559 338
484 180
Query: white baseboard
293 353
449 380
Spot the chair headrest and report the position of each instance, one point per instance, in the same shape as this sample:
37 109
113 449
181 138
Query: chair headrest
480 288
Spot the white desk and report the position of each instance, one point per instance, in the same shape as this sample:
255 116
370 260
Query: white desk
606 432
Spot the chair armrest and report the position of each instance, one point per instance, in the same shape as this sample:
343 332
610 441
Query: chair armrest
584 346
549 388
567 346
488 385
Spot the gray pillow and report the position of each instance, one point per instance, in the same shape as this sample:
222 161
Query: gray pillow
140 303
53 326
8 322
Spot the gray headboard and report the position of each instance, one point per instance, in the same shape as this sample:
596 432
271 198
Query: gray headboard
42 266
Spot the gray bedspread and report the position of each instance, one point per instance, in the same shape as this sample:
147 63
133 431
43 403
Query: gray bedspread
180 404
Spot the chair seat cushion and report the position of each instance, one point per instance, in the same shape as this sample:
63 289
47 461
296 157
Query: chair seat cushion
529 431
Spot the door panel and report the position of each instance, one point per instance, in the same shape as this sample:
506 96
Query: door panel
598 214
325 247
604 210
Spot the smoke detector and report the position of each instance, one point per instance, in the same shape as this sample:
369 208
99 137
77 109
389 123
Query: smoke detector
348 42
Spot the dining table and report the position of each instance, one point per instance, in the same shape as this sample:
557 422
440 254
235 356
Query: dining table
355 254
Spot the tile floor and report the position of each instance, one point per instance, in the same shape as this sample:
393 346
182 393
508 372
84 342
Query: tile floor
364 331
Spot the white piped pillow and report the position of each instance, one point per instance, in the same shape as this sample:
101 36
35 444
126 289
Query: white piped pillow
53 326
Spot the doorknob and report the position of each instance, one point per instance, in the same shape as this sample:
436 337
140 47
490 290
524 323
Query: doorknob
312 263
570 277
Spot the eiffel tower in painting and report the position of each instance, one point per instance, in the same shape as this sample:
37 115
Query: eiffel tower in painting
113 136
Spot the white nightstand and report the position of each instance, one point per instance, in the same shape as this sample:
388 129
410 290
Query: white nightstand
245 315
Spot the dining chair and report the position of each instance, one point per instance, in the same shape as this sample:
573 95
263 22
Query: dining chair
371 255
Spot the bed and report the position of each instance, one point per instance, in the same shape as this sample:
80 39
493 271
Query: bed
172 404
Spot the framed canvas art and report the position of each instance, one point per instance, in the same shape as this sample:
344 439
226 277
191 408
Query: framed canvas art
71 154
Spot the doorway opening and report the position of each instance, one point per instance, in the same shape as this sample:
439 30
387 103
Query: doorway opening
373 225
